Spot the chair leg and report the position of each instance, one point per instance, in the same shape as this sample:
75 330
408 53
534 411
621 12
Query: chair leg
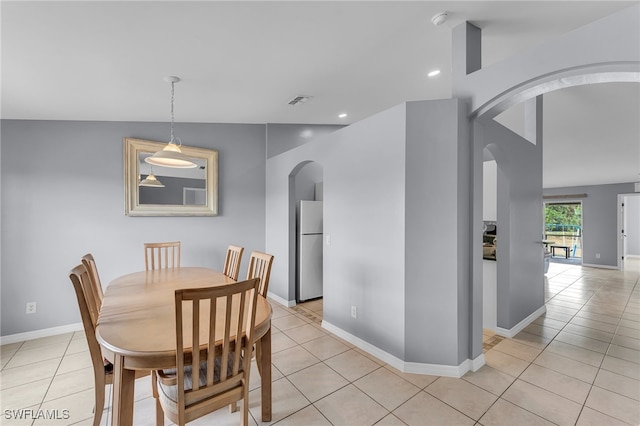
159 414
156 396
99 405
245 405
258 356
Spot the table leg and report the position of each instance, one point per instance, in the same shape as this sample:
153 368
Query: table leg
265 371
123 386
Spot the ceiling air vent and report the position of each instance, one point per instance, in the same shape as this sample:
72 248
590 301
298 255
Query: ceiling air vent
299 100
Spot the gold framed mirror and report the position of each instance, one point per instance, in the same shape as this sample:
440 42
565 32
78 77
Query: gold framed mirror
181 192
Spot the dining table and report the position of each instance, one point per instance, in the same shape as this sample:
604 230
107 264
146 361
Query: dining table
136 330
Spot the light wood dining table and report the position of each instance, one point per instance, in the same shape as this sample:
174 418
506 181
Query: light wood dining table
136 329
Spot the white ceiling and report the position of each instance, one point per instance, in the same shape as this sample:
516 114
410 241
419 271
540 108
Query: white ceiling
241 62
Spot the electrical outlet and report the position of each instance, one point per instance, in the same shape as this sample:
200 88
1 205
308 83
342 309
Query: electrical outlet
597 255
31 307
354 312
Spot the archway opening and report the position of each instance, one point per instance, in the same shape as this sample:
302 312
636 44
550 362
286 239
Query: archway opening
306 235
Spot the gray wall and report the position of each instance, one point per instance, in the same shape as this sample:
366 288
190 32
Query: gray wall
62 196
520 278
437 230
305 181
283 137
364 174
599 220
396 207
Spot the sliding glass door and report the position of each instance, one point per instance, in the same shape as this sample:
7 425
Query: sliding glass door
563 228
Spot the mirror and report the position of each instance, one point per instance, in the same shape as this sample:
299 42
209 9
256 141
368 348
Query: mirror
185 192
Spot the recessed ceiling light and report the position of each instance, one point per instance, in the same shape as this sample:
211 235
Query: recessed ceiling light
434 73
343 115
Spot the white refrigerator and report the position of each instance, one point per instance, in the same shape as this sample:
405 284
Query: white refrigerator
309 250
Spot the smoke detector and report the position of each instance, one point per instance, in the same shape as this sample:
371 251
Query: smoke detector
439 18
299 100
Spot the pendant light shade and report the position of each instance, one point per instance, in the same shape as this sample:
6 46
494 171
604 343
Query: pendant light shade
171 155
151 181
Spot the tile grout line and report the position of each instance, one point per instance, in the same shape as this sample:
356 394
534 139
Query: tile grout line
536 357
603 358
592 385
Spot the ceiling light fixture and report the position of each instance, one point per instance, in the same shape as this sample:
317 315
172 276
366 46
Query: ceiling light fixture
343 115
433 73
171 155
151 181
439 18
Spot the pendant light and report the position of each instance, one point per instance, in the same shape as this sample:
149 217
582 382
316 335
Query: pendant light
151 181
171 155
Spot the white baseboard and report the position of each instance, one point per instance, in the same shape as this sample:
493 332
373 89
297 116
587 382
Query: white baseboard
407 367
511 332
37 334
280 300
593 265
477 363
444 370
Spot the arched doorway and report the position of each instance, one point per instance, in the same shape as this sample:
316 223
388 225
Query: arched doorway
305 231
510 320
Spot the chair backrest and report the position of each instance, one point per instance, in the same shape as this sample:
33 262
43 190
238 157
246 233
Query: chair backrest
228 311
162 255
96 286
82 285
232 261
260 267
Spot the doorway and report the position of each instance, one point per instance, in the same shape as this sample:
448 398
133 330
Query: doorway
629 232
489 237
306 240
563 230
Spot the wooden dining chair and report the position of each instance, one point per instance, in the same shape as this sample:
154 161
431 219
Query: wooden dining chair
97 294
162 255
220 367
102 374
260 267
96 286
232 261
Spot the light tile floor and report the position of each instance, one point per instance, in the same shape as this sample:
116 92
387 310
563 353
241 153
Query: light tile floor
579 364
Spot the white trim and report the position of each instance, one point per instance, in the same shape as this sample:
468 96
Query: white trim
407 367
367 347
632 256
280 300
511 332
37 334
591 265
477 363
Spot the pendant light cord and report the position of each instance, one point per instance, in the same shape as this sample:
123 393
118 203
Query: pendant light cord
172 98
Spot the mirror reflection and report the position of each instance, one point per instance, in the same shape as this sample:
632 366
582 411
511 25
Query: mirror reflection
179 186
165 191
